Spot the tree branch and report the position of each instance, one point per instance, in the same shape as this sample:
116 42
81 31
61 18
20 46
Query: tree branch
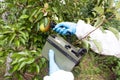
104 21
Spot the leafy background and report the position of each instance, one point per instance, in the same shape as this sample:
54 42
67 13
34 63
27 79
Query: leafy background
22 40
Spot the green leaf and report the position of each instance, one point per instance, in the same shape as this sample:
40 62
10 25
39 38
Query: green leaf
23 34
43 60
20 77
15 61
88 20
16 55
99 10
33 51
24 16
118 65
22 40
21 59
17 43
99 2
1 61
22 65
98 45
37 68
39 17
12 38
30 60
1 53
86 44
19 54
46 21
55 10
118 72
115 31
22 28
37 13
24 53
99 20
31 16
24 11
14 68
8 31
5 40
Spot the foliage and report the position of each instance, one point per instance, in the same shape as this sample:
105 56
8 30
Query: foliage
20 35
20 30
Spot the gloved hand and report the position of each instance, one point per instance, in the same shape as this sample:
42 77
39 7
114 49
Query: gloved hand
52 65
55 73
65 28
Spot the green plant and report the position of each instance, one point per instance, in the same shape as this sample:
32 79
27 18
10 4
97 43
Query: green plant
20 35
20 31
116 68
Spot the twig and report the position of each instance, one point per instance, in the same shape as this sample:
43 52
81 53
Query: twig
98 26
95 28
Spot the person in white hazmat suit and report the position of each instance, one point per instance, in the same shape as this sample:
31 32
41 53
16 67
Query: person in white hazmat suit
110 44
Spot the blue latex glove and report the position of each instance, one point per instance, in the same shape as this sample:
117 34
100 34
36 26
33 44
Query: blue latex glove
65 28
52 65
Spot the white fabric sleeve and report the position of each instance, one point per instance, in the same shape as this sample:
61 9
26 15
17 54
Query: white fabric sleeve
60 75
83 29
109 43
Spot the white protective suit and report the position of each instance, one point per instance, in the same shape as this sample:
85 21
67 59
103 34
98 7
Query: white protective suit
60 75
110 44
